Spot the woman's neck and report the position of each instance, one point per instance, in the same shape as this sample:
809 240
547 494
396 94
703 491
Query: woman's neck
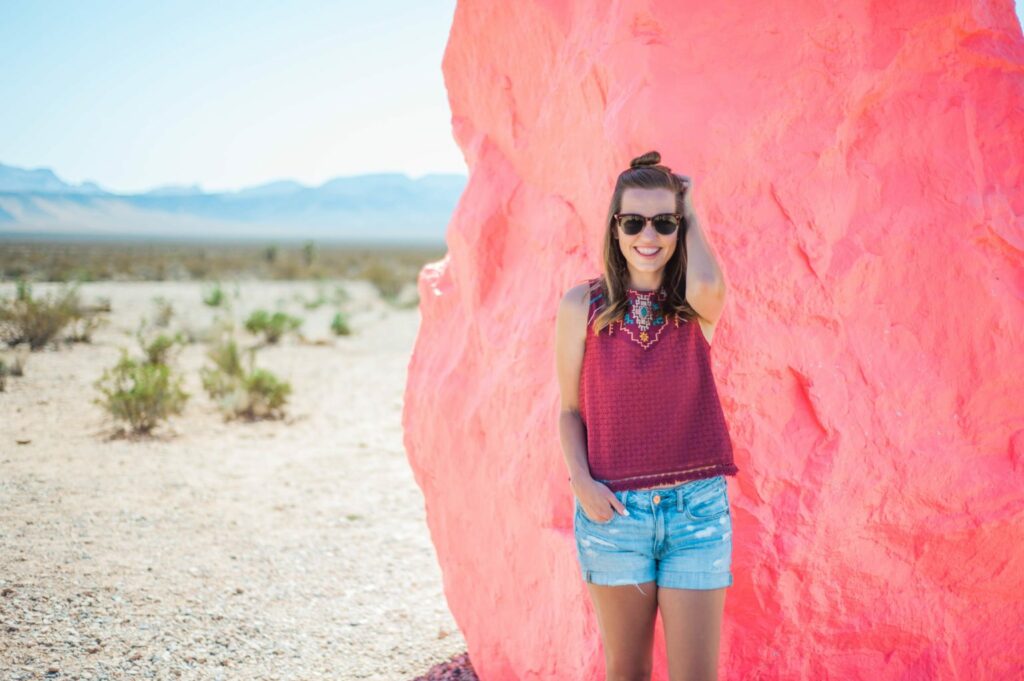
649 281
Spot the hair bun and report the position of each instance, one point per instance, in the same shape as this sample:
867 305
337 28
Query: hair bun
651 158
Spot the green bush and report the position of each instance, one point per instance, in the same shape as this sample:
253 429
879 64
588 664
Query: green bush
252 393
339 325
158 349
266 394
215 296
36 321
272 326
83 319
140 392
227 357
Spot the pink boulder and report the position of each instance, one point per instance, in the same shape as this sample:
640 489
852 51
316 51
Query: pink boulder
858 169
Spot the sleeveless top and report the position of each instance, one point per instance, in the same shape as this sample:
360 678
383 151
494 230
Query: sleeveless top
648 398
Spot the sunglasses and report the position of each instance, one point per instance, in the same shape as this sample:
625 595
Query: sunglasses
633 223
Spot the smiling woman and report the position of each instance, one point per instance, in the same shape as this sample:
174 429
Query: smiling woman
645 437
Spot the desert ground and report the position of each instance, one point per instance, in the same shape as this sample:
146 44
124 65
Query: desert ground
294 548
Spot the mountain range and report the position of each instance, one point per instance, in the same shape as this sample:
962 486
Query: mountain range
387 208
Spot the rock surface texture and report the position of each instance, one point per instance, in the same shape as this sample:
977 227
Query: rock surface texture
857 167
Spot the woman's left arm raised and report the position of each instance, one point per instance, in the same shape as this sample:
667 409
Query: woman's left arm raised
705 283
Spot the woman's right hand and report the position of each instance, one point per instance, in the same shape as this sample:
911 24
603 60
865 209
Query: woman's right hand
597 501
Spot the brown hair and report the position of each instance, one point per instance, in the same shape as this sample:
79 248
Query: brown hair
645 172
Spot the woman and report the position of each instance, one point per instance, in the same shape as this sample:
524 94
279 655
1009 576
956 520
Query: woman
643 432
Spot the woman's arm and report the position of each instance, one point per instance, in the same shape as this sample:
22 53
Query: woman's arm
705 282
570 336
597 501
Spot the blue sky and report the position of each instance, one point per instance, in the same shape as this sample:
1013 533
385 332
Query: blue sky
225 94
134 95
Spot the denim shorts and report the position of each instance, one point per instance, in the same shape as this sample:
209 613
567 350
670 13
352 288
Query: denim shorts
679 537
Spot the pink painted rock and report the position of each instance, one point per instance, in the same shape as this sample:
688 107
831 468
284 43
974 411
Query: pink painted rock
858 169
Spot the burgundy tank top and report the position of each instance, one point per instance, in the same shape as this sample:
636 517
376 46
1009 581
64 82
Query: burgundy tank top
648 398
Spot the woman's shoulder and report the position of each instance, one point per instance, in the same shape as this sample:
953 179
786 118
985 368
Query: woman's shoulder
577 297
584 291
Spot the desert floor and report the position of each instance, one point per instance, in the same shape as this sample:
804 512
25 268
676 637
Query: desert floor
287 549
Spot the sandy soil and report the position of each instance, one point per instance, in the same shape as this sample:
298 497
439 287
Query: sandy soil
294 549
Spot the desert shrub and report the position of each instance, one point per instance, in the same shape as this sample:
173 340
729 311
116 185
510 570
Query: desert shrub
140 392
157 350
3 376
341 295
193 332
227 370
215 297
84 319
265 395
314 303
36 320
163 313
144 391
241 391
384 278
102 304
272 326
15 359
339 325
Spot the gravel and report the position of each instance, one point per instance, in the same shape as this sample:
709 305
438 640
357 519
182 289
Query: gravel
294 549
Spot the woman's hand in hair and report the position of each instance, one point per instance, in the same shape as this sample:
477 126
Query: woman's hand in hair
687 192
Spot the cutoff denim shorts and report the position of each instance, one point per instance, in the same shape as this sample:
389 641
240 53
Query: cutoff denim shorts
679 537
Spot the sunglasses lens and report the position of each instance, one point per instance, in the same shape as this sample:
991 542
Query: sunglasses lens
631 224
665 224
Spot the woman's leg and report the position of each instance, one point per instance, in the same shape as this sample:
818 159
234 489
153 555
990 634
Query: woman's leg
625 618
692 619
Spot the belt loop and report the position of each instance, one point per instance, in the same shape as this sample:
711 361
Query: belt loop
679 497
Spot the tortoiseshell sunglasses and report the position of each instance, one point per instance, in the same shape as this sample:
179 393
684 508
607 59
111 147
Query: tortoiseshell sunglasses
634 223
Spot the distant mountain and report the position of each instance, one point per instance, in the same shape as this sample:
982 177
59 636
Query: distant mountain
175 190
376 207
14 179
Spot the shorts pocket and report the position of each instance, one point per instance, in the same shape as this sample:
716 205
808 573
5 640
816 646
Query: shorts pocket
582 515
709 502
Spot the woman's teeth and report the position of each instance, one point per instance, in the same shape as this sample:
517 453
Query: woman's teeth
647 252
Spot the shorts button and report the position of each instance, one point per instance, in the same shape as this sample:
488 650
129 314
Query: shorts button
657 498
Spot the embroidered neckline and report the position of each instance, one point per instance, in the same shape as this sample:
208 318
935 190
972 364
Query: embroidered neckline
645 318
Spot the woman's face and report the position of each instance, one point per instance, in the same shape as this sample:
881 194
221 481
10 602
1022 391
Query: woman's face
647 202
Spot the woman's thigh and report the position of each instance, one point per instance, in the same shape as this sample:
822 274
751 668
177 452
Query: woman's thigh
625 618
673 551
695 561
692 620
619 568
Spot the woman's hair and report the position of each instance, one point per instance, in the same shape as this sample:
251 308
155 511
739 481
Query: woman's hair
645 172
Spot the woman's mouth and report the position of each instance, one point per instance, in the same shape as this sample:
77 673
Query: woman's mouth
647 252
